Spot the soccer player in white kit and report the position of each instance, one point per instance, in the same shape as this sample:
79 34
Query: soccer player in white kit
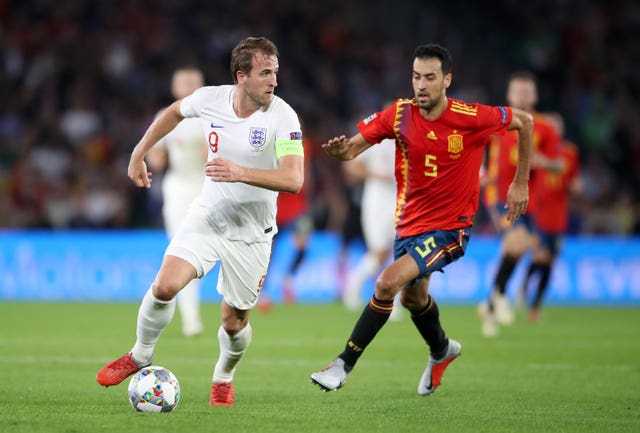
377 168
183 153
255 150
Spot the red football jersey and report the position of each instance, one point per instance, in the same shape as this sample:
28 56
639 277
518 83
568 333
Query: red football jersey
552 191
437 162
504 153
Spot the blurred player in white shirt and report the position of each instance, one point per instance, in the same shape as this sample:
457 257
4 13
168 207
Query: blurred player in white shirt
255 150
377 168
183 154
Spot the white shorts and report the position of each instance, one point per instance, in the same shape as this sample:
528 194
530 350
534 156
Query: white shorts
378 214
177 196
243 266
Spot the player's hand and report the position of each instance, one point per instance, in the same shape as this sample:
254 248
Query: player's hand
337 147
138 173
223 170
517 200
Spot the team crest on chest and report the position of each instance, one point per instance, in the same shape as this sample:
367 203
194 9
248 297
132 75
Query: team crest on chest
455 145
257 137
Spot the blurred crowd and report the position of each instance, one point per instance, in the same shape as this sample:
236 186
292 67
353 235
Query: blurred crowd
81 81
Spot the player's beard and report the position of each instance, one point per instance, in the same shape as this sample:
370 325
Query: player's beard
430 104
261 100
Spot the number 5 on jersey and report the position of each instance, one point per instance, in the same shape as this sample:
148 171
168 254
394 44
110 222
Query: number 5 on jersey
430 166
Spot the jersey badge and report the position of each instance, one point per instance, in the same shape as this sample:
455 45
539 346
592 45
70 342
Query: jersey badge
455 145
370 118
432 135
258 137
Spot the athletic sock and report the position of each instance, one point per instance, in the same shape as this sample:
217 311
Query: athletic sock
427 320
545 274
300 255
531 270
507 265
372 319
153 316
367 266
189 305
232 347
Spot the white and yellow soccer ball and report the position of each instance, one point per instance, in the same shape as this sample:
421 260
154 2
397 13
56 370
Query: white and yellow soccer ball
154 389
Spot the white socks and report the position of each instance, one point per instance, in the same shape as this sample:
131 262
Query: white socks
189 306
153 316
366 268
231 350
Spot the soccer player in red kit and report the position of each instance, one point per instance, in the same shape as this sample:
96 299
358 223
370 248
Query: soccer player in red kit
553 190
439 148
520 237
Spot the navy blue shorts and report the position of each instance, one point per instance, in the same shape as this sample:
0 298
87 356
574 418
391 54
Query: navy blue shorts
432 250
550 242
525 220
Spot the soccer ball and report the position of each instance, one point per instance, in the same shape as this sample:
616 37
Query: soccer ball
154 389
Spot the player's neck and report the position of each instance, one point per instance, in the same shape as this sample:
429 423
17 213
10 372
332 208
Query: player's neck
242 105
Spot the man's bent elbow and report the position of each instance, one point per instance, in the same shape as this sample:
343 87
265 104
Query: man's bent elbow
295 185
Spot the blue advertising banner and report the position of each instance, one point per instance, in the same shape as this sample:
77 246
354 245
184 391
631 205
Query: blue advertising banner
119 266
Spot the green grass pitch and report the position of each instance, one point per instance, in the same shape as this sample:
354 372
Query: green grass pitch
578 370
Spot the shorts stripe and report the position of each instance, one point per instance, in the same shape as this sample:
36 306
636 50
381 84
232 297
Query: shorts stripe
437 255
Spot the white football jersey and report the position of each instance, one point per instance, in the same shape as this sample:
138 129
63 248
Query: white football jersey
380 159
183 179
379 195
237 210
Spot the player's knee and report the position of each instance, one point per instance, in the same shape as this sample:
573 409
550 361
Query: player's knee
515 244
413 301
542 255
233 325
386 287
165 290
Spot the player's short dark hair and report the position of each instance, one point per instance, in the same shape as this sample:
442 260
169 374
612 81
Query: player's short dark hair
429 51
243 52
524 76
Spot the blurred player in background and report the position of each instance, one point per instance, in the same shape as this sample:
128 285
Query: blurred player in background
183 154
255 150
440 144
293 216
351 225
553 191
376 167
518 238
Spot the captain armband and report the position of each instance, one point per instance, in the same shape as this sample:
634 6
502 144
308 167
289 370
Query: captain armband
289 147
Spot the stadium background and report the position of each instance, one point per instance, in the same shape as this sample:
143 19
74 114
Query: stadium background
80 82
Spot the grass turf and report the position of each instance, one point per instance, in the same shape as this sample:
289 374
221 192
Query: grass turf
578 370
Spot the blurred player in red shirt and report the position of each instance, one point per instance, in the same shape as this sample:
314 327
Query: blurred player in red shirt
518 237
553 190
440 144
292 217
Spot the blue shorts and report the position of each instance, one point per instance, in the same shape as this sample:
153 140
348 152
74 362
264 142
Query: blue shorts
525 220
550 242
432 250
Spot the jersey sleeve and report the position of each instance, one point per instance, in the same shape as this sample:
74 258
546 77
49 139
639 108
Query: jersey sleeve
494 119
378 126
288 134
191 106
